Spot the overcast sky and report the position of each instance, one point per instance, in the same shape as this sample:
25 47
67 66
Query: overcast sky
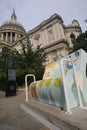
31 13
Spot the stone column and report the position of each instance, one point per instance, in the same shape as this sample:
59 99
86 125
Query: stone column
11 36
55 32
61 31
6 37
46 36
16 36
58 31
2 37
43 38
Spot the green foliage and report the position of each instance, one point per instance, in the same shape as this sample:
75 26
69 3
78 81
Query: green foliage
28 61
81 42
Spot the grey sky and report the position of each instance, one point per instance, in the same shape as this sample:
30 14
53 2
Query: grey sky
31 13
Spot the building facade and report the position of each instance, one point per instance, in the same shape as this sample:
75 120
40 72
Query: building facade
56 38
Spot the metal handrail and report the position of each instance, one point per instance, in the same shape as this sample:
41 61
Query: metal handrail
28 75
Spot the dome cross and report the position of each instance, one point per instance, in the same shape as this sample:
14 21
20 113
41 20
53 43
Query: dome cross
13 16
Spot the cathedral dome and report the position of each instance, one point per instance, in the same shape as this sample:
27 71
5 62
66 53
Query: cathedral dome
9 23
13 25
11 30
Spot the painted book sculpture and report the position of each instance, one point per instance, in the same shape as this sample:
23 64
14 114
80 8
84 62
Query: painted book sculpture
51 90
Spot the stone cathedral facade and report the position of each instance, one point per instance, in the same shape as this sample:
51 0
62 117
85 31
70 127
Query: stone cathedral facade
56 38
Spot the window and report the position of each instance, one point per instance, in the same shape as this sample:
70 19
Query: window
72 36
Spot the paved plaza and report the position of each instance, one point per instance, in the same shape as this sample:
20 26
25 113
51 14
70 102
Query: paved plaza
14 115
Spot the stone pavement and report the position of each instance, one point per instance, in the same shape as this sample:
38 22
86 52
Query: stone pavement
75 121
12 117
